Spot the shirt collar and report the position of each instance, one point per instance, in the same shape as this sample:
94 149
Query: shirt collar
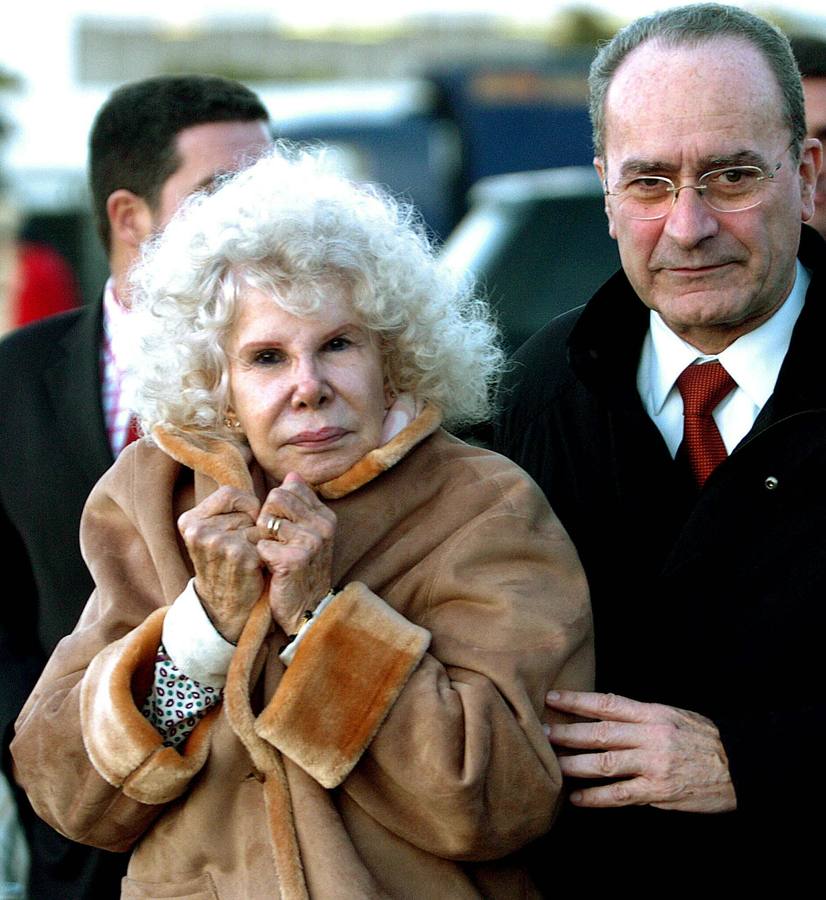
114 323
753 360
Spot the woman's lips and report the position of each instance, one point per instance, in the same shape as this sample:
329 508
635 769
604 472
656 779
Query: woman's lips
316 439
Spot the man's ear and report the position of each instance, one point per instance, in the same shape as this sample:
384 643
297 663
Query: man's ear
599 165
811 159
130 218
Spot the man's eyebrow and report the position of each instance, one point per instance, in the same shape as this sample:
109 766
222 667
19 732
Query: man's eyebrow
738 158
643 166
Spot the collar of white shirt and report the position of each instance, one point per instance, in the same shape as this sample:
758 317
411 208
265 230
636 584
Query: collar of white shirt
117 385
753 361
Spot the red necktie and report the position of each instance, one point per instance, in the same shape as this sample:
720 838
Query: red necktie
703 388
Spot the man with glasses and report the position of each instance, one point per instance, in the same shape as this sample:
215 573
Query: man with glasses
677 425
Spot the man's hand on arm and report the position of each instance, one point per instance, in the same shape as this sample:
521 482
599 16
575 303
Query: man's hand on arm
660 755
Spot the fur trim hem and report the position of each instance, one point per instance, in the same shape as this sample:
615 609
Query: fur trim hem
267 760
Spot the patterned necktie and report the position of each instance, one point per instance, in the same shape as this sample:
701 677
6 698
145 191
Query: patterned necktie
703 388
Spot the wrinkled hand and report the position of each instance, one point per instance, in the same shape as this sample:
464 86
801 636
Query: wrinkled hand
665 757
220 534
300 557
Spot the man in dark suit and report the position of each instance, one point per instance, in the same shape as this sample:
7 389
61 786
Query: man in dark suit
64 396
677 424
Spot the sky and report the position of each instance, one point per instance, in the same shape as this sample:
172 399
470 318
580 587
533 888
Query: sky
52 114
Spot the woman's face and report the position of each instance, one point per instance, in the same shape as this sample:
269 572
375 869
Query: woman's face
309 392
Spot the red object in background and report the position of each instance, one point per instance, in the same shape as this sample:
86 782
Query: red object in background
45 284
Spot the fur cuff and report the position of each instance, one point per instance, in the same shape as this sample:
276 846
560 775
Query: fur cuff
122 745
344 679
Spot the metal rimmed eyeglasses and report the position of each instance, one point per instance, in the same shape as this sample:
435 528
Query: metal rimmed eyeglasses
731 189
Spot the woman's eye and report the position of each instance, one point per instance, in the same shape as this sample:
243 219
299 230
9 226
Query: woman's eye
267 357
338 343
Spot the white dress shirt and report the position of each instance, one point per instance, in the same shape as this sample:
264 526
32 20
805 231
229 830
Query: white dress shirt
117 384
753 361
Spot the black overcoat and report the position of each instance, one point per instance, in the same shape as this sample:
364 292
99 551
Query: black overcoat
711 600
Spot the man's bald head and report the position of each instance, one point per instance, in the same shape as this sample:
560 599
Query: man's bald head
688 26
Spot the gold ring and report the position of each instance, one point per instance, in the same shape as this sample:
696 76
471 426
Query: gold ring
273 525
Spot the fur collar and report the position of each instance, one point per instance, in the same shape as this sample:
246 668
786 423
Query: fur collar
225 464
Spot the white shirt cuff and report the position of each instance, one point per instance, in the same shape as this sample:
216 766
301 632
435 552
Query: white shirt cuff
192 642
287 654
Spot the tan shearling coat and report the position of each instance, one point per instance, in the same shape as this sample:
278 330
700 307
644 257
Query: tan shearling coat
400 755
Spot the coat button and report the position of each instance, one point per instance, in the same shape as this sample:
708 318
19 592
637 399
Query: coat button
770 483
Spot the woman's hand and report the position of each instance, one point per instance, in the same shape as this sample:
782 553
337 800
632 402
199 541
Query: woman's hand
299 553
220 534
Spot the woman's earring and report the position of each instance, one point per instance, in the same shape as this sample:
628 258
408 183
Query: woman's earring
231 422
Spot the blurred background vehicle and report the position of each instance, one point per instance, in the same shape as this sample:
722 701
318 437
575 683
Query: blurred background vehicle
427 139
537 242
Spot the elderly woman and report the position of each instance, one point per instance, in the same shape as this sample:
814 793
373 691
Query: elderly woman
316 657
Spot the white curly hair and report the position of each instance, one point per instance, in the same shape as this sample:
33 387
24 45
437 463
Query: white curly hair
287 225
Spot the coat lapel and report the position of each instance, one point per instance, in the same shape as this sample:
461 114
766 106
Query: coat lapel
73 384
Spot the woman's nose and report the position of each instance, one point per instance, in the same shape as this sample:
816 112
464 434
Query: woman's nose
310 388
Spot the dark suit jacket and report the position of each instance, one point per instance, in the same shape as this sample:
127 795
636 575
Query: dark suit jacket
710 600
53 449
